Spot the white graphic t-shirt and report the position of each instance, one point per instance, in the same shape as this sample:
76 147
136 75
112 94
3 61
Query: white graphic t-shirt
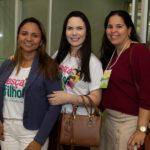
70 75
14 94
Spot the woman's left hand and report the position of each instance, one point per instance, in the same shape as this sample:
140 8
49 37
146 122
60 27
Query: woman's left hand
59 97
33 146
137 139
11 57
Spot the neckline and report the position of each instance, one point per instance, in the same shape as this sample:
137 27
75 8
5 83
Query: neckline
25 68
125 49
73 56
109 66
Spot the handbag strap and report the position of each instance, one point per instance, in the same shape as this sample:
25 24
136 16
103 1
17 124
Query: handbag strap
92 104
130 62
75 108
97 110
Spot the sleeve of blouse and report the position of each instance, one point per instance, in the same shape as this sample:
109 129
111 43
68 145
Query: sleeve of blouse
96 72
141 70
51 115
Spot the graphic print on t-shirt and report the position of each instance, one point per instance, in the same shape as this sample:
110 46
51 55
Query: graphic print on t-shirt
14 94
14 90
69 76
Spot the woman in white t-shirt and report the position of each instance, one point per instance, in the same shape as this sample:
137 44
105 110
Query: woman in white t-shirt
80 69
26 117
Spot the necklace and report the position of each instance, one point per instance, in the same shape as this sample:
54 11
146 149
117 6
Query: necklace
118 55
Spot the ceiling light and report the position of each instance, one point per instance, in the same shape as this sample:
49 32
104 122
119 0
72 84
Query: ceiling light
1 35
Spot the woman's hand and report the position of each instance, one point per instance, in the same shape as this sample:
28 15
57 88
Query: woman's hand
1 131
137 139
59 97
11 57
62 97
33 146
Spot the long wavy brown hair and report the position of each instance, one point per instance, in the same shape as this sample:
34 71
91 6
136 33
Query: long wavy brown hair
46 64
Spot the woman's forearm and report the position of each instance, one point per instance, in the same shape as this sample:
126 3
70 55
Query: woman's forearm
143 118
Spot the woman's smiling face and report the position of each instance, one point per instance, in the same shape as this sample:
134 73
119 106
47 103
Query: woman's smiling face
29 37
75 32
117 31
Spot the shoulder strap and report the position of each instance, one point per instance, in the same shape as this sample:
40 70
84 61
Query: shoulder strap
130 62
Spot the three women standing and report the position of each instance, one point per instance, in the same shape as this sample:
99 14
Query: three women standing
126 99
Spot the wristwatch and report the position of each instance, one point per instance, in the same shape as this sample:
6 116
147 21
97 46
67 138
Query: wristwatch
142 129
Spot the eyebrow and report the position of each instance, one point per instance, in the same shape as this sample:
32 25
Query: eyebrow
116 24
32 32
75 26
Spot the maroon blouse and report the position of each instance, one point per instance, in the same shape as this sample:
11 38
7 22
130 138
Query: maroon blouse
121 94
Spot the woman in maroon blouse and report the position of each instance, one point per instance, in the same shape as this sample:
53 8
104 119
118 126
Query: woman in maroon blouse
126 99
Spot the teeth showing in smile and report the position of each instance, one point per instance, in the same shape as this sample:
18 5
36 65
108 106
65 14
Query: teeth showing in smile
114 36
74 39
28 44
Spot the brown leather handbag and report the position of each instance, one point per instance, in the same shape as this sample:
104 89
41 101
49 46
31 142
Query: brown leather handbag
81 130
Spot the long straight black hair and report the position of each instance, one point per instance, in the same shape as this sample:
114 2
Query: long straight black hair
85 50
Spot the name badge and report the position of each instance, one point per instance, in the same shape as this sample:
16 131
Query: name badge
105 79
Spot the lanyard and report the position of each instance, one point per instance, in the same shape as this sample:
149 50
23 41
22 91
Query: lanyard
117 57
107 72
